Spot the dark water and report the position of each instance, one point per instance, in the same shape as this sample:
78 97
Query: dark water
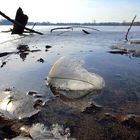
121 73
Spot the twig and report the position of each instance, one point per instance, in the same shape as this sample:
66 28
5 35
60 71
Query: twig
33 26
126 37
15 22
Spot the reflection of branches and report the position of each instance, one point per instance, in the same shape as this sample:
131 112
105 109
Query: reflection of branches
85 27
62 32
23 54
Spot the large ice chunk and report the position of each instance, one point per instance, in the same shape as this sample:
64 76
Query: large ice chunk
67 77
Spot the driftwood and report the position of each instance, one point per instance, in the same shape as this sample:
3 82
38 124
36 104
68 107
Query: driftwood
119 52
71 27
126 37
5 54
61 28
17 23
86 32
22 19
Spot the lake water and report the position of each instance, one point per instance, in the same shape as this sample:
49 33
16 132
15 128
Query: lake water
120 72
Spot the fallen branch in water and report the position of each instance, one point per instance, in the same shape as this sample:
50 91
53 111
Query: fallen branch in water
86 32
126 37
17 23
71 27
5 54
60 28
118 52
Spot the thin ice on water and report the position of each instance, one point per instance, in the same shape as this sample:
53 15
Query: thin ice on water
17 105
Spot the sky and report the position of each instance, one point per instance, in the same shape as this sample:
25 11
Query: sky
74 10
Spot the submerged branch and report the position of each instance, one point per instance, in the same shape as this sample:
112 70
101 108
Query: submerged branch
5 54
86 32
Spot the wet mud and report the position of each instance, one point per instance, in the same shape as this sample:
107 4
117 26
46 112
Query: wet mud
99 124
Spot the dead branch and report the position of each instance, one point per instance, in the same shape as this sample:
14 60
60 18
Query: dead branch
17 23
33 26
61 28
5 54
126 37
71 27
86 32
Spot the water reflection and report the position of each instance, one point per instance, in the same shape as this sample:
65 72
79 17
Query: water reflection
23 55
22 50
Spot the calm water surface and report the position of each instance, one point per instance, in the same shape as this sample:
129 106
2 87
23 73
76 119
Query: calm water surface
121 72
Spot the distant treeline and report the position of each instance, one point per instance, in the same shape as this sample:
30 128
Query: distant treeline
6 22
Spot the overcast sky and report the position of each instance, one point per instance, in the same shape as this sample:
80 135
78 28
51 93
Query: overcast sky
74 10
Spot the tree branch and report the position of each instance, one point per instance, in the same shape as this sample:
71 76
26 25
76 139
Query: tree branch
15 22
126 37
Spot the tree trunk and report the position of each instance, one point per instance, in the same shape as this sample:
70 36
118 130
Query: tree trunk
22 19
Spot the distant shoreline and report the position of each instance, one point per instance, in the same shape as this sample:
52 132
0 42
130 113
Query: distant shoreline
5 22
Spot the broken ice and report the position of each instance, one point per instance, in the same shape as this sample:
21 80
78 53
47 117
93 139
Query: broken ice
14 104
67 77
